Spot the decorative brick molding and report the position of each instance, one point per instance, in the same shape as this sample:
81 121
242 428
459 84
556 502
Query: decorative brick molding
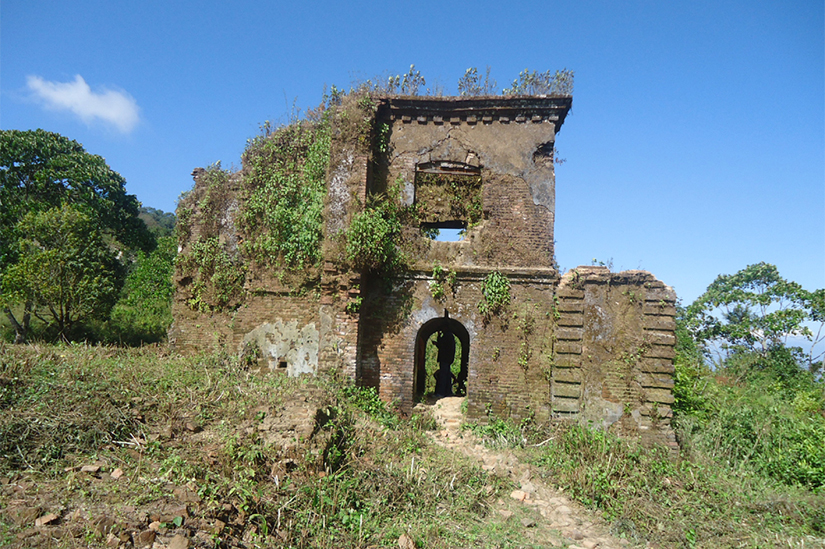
481 110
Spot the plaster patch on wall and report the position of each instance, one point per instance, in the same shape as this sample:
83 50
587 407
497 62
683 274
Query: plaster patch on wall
426 313
408 192
338 195
328 334
287 344
540 187
601 327
601 413
430 310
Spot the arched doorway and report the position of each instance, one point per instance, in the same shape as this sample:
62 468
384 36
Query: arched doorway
424 381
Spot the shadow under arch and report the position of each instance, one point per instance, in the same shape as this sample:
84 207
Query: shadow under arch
424 333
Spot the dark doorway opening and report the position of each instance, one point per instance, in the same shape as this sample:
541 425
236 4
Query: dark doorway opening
426 357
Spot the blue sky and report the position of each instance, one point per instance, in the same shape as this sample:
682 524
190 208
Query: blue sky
696 145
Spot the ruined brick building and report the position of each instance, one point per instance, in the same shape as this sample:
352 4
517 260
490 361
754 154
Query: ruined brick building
589 345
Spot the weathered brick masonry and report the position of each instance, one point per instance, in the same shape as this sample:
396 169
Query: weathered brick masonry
591 345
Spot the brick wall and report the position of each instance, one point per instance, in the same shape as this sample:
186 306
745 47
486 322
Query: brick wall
510 151
591 346
614 352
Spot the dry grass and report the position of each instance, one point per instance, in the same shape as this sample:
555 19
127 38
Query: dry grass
190 432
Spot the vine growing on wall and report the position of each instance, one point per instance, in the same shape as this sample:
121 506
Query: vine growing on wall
495 294
217 279
526 323
284 187
205 205
443 278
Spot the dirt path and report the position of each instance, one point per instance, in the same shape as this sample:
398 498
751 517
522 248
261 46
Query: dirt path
549 517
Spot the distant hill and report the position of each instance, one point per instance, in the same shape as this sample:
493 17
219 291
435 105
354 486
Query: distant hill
159 222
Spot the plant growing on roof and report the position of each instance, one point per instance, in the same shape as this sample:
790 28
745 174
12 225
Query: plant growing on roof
471 84
409 83
542 83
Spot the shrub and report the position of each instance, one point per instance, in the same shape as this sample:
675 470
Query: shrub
373 234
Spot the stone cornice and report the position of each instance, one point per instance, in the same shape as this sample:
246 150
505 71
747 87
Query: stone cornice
476 110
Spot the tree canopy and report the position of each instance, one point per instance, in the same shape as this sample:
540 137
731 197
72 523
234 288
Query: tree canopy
52 192
756 310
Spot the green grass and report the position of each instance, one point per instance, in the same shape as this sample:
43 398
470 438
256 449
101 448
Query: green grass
701 499
362 478
677 503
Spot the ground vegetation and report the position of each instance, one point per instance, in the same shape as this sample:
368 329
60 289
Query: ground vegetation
749 413
152 445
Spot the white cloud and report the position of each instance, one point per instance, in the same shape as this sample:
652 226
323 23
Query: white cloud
117 108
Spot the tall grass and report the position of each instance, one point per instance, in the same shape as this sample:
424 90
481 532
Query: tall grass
750 472
362 478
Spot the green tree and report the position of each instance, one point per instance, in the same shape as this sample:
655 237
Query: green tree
144 311
40 171
754 310
64 268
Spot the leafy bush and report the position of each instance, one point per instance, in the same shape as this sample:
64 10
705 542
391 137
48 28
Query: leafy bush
441 280
372 236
